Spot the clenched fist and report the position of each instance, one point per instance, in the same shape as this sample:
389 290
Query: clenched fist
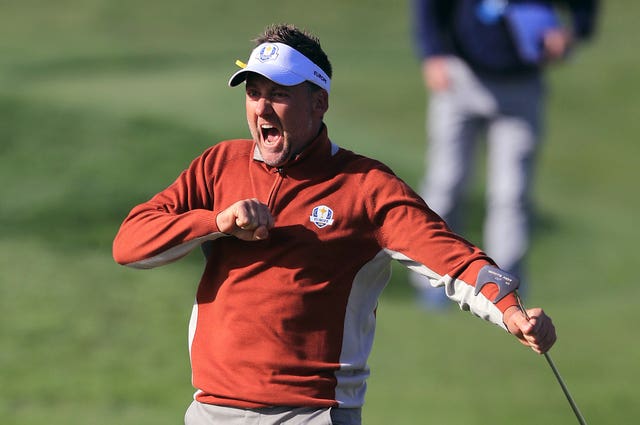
536 332
249 220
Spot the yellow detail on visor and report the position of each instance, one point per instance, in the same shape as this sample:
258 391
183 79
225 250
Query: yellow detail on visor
240 63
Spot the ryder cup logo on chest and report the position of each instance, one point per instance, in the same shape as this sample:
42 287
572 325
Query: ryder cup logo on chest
268 52
322 216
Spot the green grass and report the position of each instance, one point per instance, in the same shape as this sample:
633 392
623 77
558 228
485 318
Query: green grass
103 103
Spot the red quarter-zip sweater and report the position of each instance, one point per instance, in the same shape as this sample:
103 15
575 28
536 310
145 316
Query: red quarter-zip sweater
289 321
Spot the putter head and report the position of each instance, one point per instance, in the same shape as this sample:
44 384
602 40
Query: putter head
506 282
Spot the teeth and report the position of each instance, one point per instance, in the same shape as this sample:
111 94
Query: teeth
266 126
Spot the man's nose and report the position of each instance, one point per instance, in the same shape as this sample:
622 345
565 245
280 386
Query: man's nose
264 106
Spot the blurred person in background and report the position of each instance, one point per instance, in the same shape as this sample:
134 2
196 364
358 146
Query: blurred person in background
299 235
482 64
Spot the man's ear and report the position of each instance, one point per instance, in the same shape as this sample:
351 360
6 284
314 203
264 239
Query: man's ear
320 101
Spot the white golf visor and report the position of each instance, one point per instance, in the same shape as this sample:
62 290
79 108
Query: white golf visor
281 64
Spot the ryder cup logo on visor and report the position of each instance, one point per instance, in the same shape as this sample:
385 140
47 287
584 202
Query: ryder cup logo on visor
268 52
322 216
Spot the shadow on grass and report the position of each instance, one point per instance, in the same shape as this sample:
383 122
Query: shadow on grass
69 177
101 63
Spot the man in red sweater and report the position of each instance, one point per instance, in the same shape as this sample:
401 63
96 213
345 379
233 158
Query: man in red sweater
298 235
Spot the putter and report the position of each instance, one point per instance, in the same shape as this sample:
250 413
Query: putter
506 284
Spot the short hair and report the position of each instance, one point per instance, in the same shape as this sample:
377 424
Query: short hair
301 40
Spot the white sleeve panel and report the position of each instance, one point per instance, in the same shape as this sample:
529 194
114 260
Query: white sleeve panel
457 290
174 253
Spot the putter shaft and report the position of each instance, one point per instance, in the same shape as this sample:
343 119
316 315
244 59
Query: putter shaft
572 403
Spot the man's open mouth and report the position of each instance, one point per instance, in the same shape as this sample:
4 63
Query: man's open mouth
270 134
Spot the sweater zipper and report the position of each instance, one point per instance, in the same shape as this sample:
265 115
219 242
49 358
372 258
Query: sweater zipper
280 175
